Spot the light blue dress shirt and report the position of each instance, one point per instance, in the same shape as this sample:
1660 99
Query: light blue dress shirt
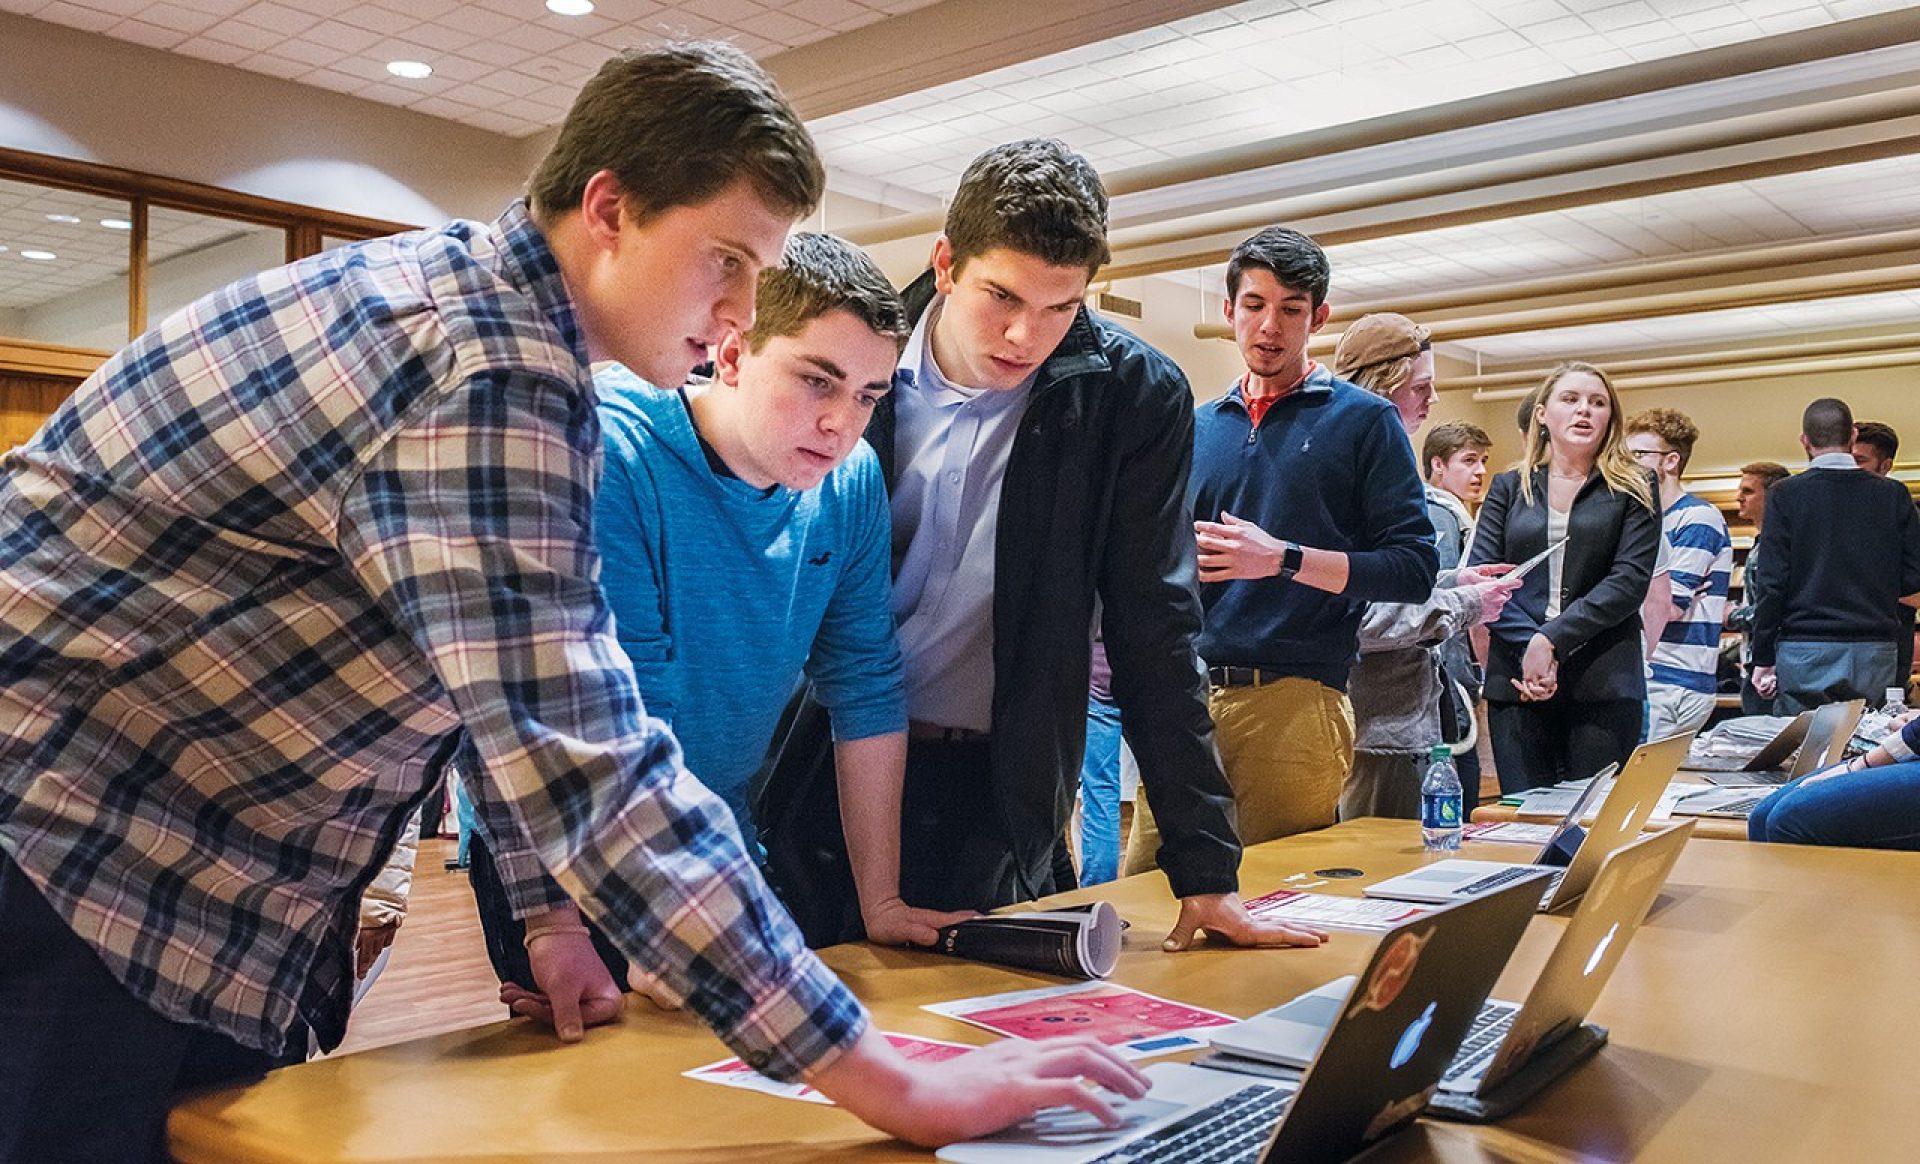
951 445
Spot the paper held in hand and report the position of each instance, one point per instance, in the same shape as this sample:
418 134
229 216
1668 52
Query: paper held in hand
1528 566
1075 941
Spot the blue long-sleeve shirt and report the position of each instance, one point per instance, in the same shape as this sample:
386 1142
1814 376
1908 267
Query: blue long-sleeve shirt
1328 467
723 593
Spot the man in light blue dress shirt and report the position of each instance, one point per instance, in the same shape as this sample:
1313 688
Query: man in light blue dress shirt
1037 458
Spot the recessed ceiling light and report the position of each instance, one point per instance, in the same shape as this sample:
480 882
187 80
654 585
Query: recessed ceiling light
116 224
39 256
64 219
411 70
3 250
569 7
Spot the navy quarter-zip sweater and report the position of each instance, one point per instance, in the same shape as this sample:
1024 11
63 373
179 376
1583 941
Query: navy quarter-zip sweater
1330 467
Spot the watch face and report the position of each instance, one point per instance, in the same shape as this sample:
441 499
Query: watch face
1290 559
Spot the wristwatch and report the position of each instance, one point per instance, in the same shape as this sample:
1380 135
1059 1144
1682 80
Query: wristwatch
1290 559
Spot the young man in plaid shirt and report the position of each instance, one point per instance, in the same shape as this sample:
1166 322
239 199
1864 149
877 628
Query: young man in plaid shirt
275 563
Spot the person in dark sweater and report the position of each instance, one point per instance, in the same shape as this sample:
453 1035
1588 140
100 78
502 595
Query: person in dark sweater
1875 446
1840 549
1307 505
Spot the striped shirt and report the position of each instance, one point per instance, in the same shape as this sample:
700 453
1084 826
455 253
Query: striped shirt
1688 654
262 574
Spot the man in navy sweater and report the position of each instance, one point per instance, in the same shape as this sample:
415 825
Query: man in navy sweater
1307 505
1840 548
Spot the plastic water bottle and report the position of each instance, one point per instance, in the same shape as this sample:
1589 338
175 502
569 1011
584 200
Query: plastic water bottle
1440 799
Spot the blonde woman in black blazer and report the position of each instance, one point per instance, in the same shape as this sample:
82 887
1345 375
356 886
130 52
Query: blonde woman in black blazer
1566 692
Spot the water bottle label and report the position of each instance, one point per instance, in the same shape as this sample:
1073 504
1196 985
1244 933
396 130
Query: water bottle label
1440 812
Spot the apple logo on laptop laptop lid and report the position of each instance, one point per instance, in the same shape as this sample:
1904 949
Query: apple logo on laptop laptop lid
1410 1038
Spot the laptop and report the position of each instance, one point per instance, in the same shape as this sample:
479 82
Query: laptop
1381 1063
1545 1032
1826 744
1573 856
1768 765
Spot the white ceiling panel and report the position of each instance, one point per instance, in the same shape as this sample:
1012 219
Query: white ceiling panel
1868 196
344 46
1267 68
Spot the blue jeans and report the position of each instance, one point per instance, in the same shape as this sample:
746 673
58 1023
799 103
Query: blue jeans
1100 795
1878 808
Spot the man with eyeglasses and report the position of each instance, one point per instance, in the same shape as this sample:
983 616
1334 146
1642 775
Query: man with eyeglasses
1684 661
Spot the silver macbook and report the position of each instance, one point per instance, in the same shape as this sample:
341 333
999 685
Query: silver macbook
1573 856
1767 765
1505 1035
1826 743
1379 1066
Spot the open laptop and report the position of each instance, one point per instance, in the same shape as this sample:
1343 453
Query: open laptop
1544 1033
1381 1063
1572 857
1826 743
1767 765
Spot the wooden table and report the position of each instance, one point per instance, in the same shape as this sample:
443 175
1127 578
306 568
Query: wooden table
1766 1012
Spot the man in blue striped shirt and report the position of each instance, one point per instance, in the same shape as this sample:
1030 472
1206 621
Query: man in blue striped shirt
1685 662
276 562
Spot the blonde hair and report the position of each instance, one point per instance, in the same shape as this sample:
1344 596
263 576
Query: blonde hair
1616 466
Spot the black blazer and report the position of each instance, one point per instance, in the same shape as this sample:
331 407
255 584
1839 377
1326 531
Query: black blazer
1613 541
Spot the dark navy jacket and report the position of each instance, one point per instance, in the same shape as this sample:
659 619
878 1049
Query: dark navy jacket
1329 467
1093 503
1613 541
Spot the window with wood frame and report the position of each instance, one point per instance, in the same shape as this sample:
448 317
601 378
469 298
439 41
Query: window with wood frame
92 256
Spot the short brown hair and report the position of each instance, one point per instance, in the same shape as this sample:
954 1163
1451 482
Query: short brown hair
1771 473
1034 196
819 273
1450 438
1881 436
1294 260
1670 425
1828 423
677 125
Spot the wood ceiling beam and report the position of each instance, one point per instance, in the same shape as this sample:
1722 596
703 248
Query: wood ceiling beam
1734 373
1796 129
1617 309
1529 377
1862 34
1899 143
1884 248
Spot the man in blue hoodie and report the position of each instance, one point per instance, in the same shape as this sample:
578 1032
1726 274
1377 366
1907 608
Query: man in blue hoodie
744 534
1307 505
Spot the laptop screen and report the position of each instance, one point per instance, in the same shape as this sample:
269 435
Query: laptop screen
1577 811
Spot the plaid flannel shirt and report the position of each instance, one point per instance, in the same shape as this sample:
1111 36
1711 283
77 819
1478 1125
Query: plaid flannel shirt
261 575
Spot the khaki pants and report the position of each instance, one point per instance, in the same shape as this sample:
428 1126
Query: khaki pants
1287 746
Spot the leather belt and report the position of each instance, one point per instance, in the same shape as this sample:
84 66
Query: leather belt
916 730
1241 676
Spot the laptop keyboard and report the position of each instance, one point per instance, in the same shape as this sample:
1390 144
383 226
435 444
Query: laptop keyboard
1489 1030
1505 877
1742 807
1231 1130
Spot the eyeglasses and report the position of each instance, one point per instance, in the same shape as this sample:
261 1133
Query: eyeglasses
1636 454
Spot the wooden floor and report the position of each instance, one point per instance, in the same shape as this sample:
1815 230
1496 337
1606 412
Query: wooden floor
437 978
